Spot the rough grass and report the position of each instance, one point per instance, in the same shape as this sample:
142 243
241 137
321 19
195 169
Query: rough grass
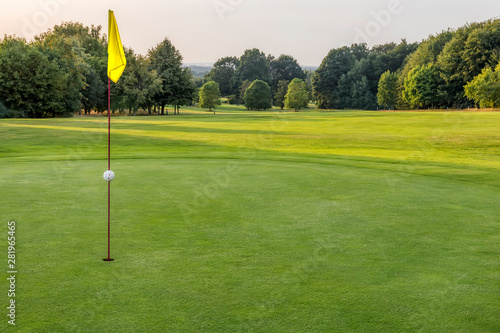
256 222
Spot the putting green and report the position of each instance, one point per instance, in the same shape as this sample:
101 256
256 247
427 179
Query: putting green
324 222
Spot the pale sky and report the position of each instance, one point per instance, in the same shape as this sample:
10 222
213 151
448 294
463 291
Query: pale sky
206 30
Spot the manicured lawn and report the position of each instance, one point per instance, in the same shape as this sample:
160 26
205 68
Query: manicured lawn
255 222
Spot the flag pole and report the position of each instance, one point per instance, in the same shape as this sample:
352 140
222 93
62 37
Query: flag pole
109 168
116 65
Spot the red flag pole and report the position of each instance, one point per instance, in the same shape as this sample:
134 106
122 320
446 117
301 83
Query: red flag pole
109 168
109 124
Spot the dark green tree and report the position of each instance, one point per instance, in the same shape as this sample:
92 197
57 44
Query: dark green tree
325 80
90 52
284 68
167 61
355 89
241 93
71 58
139 84
223 73
32 80
185 91
253 65
279 97
473 47
94 92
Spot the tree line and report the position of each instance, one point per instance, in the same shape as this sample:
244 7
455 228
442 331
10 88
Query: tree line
452 69
64 71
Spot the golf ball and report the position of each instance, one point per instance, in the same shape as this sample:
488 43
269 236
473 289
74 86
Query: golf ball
108 176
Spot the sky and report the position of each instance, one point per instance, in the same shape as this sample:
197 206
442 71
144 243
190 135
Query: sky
206 30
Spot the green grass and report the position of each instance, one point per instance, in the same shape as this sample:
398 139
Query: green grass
256 222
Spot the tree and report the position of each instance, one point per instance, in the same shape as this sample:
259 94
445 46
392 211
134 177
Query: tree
354 89
297 96
421 87
184 92
90 39
167 61
428 52
84 52
258 96
243 87
93 92
387 95
484 89
139 84
279 97
253 65
61 45
472 48
391 56
223 73
32 80
210 96
284 68
362 97
326 79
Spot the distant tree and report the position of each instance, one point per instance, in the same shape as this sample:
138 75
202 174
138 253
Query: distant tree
232 99
139 84
308 74
325 80
183 92
362 97
280 95
210 96
387 95
285 68
354 90
258 96
253 65
243 87
199 81
196 96
167 61
297 97
223 73
94 91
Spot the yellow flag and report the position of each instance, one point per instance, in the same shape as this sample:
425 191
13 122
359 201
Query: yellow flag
116 56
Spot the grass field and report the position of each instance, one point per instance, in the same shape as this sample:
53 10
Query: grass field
255 222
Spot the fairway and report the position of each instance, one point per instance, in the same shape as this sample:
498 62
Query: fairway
255 222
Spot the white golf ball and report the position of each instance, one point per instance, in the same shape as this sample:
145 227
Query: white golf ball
108 176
